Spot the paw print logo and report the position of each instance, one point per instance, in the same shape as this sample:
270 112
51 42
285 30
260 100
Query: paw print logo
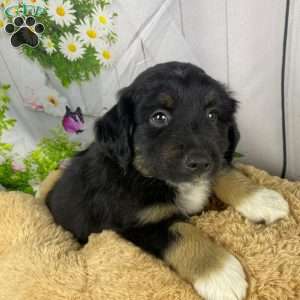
24 32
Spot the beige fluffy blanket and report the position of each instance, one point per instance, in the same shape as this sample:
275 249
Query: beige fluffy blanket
39 260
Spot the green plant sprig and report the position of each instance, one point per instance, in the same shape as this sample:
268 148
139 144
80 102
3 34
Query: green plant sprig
5 122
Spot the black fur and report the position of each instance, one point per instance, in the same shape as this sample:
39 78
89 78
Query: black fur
133 164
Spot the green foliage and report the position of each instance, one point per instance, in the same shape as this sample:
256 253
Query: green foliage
46 157
49 153
15 180
68 71
5 122
39 163
65 70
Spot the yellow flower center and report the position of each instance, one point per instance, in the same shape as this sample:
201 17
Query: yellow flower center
53 101
103 20
1 24
50 44
33 1
60 10
91 33
72 47
106 54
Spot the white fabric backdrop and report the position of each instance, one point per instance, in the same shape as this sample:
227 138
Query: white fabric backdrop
238 42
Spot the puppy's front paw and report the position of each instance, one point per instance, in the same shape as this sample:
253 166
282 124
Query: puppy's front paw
264 205
228 283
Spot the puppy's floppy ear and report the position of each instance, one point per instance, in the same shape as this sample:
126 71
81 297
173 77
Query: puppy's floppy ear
233 138
114 130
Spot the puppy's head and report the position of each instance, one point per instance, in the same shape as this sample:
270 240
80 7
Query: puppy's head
174 123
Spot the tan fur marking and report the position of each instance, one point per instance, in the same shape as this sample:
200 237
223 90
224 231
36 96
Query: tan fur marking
48 184
157 213
140 163
211 96
233 187
194 255
169 152
167 100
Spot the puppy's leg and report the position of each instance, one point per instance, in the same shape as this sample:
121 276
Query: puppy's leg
214 273
253 201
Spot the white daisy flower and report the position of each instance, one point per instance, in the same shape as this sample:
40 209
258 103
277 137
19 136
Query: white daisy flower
61 12
103 18
104 53
48 45
89 32
71 46
53 103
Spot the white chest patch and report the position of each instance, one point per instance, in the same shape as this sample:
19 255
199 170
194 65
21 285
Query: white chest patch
193 197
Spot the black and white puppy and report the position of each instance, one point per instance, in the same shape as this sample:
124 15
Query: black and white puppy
157 154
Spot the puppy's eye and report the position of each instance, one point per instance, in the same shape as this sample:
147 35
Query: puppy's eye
160 118
212 115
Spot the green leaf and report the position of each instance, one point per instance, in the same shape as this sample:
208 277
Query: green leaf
5 123
238 155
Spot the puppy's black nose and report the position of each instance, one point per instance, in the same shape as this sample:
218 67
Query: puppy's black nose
195 161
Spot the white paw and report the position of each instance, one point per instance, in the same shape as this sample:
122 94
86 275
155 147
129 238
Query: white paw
229 283
264 205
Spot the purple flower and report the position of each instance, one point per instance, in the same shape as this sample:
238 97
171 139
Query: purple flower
73 122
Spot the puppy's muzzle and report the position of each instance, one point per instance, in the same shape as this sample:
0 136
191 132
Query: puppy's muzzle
195 161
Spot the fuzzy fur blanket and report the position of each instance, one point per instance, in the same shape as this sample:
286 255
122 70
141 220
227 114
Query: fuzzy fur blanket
39 260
